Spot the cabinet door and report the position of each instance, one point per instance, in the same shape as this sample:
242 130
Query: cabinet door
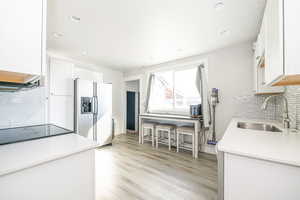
61 77
292 46
62 111
21 38
274 40
249 178
104 122
86 74
255 63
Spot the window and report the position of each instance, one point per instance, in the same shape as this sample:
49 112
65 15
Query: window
174 91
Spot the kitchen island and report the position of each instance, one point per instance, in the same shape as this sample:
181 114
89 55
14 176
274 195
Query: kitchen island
54 168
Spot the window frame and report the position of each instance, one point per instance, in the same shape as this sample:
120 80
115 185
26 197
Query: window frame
174 69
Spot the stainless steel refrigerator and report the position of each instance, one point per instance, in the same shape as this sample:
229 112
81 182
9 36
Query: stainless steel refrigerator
93 110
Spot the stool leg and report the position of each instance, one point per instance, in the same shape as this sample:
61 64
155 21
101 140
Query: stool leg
156 138
193 145
142 136
152 133
169 134
177 141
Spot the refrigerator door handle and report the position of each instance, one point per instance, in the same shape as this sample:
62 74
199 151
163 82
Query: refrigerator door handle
95 116
96 105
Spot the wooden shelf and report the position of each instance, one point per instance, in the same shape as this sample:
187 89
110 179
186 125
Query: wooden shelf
15 77
289 80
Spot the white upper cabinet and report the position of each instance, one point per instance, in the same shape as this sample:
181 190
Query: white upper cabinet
291 39
22 36
86 74
61 77
282 42
264 50
274 40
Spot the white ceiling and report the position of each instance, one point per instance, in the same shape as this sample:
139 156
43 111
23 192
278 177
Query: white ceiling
126 34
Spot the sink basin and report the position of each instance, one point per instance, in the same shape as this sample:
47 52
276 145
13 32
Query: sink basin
258 127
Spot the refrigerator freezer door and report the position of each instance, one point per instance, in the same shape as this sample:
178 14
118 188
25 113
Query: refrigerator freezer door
83 108
104 123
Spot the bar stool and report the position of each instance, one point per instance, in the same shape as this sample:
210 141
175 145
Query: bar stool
166 129
185 130
151 128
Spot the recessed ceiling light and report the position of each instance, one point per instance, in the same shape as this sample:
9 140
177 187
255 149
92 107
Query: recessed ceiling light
57 35
75 18
224 32
219 5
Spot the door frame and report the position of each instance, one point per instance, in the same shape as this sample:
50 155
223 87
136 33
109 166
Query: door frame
127 79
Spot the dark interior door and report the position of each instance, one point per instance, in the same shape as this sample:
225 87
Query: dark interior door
130 111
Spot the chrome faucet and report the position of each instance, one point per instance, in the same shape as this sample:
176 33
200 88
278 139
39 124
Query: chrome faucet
286 119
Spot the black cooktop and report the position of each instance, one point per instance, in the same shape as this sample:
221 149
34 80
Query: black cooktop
20 134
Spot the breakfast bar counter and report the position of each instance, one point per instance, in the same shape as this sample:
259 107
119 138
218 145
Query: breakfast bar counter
196 122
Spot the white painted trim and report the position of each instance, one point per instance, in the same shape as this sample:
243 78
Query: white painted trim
177 66
131 78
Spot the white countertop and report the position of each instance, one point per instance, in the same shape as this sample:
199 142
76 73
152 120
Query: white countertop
22 155
276 147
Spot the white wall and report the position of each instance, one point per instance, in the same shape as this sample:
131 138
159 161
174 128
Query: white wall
132 86
229 69
109 76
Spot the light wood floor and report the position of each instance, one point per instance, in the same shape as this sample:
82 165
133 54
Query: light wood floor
128 170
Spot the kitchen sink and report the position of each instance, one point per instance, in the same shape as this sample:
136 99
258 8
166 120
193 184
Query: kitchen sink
258 126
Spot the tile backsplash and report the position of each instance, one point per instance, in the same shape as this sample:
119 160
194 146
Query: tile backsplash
23 108
293 95
251 106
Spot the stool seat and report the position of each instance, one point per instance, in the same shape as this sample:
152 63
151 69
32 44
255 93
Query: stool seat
165 126
148 124
186 129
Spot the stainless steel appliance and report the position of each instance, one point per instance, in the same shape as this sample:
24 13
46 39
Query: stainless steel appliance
93 110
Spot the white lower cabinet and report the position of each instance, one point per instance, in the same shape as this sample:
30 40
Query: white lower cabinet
71 177
248 179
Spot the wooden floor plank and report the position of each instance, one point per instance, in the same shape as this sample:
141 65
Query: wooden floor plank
129 170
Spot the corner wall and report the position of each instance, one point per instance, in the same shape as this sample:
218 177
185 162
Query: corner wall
231 70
